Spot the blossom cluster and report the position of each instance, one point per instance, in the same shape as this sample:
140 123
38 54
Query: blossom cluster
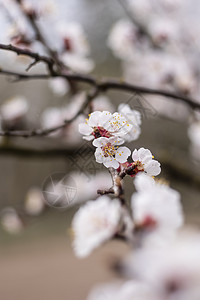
109 131
153 226
156 214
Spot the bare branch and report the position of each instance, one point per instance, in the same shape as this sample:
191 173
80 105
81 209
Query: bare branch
37 58
106 192
105 85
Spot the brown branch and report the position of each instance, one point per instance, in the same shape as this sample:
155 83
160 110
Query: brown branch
37 58
105 85
116 189
106 191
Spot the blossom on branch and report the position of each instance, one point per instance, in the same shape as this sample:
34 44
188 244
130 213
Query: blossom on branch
134 118
94 223
104 124
172 270
75 47
156 207
109 153
144 162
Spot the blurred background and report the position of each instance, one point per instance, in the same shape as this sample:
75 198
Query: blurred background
36 257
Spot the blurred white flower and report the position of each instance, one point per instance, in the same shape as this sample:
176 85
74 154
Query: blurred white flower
40 8
173 270
94 223
75 47
11 221
104 124
34 202
156 206
73 38
102 103
77 63
122 39
143 182
142 9
129 290
59 86
108 152
52 117
134 118
164 30
145 162
13 111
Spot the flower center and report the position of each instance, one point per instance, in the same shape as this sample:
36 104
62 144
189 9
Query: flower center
101 132
67 44
109 150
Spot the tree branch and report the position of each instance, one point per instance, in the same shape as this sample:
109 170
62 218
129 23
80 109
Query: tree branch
37 58
105 85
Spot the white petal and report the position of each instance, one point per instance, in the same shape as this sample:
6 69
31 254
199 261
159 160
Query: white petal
111 163
102 141
143 182
135 155
88 138
94 118
152 168
99 155
144 154
85 129
122 154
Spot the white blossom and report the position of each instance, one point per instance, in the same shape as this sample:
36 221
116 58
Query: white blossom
134 118
52 117
94 223
43 7
11 221
122 38
145 162
34 202
163 30
77 63
102 103
172 270
104 124
73 37
109 153
129 290
59 86
13 111
156 206
75 47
